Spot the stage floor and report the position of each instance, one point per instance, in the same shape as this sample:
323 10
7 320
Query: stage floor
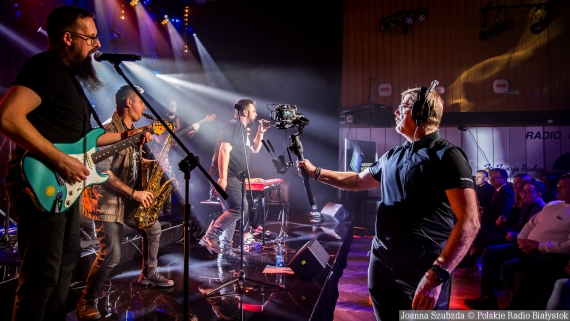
290 299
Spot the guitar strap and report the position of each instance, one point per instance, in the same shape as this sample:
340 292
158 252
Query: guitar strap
91 109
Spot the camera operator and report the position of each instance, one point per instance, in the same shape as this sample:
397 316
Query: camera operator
230 159
426 186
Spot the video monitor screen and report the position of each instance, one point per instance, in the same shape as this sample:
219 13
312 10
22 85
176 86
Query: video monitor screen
358 155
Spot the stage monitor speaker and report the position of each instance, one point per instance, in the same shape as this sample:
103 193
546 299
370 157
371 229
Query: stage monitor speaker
310 260
336 212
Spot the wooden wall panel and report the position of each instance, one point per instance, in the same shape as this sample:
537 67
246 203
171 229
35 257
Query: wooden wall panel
447 48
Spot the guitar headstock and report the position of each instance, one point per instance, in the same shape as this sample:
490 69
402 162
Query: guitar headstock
158 128
210 118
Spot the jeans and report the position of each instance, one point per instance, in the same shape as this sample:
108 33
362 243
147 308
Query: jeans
224 227
109 255
49 246
393 277
496 260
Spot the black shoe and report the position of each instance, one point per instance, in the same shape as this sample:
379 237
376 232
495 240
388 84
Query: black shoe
482 303
87 310
155 280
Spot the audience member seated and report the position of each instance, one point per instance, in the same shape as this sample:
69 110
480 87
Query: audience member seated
560 298
533 279
484 190
550 184
548 232
518 184
501 203
532 204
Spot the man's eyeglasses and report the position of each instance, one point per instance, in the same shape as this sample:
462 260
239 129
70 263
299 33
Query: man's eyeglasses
401 108
526 191
91 40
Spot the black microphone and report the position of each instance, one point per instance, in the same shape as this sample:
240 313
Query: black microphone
99 56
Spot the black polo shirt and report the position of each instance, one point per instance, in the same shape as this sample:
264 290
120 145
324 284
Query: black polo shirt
413 185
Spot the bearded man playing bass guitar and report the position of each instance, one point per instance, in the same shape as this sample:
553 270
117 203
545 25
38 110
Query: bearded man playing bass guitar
47 105
117 199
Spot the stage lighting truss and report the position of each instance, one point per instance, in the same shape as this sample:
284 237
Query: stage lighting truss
405 18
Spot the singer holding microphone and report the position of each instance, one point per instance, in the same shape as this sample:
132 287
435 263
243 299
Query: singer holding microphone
46 104
231 156
428 215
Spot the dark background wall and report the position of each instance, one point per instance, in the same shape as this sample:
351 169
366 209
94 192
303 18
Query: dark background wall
447 48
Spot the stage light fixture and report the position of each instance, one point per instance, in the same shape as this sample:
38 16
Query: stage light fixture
383 25
423 15
403 17
134 3
498 28
539 20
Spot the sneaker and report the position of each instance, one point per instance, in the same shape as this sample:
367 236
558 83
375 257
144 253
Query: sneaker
230 257
211 244
87 310
482 303
155 280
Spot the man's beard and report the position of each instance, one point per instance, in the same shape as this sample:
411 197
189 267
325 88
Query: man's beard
83 69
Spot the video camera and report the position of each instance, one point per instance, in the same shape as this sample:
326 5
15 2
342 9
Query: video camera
286 116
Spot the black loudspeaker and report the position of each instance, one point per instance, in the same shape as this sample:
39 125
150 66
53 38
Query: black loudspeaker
420 113
336 212
310 260
305 295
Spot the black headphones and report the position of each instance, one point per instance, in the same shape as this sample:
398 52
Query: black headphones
419 111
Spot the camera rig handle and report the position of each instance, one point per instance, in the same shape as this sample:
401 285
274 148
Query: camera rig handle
297 149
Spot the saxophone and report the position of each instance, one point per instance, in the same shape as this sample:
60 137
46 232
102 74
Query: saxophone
146 217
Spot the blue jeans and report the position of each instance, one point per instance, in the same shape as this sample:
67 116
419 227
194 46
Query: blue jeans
224 227
109 255
496 260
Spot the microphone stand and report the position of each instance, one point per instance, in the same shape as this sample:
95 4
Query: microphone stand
188 164
6 238
240 280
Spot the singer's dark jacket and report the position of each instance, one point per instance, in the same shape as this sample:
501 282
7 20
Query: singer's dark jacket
413 184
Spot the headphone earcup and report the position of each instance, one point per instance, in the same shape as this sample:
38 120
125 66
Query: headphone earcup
419 115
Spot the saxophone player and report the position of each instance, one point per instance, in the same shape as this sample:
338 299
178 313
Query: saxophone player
115 201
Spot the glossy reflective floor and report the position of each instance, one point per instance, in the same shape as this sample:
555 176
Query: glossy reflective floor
266 296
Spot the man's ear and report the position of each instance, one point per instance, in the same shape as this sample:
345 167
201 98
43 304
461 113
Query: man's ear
66 37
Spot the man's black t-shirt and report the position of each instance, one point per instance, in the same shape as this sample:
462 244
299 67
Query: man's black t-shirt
63 115
235 134
413 185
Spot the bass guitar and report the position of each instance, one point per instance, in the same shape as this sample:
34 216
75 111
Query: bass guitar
50 192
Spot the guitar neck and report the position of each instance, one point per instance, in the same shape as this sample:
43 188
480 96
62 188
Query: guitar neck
118 146
191 127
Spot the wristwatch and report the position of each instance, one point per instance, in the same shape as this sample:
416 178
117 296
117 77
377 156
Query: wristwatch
441 273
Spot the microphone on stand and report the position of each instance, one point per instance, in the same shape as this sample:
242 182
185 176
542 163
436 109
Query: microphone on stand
99 56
